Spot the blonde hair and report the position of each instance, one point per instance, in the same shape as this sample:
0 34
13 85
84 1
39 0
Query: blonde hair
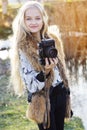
19 33
19 28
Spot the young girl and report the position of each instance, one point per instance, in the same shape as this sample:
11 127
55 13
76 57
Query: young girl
29 28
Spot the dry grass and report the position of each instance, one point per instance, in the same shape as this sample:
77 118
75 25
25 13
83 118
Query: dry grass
71 19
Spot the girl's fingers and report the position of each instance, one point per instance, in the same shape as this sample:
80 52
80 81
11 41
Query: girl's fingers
55 60
51 61
46 61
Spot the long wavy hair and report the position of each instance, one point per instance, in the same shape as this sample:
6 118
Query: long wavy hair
20 32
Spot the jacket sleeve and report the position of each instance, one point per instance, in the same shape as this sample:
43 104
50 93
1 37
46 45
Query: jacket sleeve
33 80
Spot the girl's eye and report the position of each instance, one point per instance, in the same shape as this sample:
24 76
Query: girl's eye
38 18
28 18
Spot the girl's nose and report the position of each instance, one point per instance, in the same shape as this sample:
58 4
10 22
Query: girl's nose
33 22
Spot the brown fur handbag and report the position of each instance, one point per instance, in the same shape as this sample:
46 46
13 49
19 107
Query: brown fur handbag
39 108
36 108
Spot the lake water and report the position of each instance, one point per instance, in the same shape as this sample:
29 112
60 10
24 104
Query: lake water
78 85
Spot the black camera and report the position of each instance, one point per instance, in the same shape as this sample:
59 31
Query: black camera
47 50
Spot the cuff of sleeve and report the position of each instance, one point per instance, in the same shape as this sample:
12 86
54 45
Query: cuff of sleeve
41 77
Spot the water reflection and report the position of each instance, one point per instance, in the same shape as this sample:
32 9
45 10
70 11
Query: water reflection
78 84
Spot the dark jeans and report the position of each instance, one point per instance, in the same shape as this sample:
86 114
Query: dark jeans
58 106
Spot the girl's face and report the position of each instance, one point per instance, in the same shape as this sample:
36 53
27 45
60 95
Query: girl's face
33 20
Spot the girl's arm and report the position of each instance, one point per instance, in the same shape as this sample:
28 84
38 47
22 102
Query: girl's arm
33 80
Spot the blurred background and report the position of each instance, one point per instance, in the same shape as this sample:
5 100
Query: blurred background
68 19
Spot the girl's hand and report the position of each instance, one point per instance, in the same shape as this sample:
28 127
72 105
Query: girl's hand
50 64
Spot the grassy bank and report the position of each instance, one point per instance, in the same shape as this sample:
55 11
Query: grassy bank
13 109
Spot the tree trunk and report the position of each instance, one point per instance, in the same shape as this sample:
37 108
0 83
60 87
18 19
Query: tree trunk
4 6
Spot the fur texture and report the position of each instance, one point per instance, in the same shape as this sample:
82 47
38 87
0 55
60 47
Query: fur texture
37 108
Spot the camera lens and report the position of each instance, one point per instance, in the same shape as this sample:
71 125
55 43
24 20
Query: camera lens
51 52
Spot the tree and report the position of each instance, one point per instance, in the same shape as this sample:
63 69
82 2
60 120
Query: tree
4 6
